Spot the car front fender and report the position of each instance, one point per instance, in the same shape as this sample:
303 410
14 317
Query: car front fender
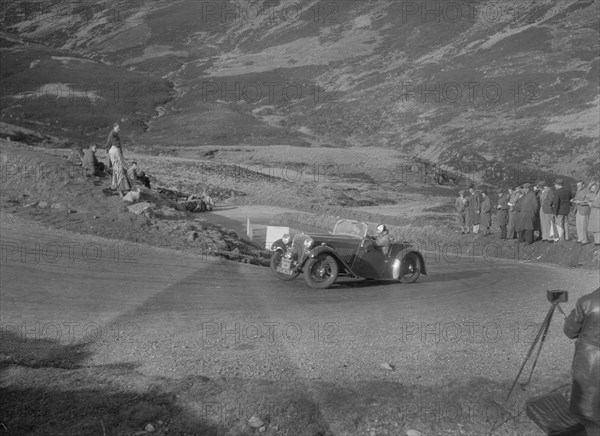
326 249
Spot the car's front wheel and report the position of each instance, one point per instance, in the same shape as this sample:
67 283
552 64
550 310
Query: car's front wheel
276 259
321 272
411 268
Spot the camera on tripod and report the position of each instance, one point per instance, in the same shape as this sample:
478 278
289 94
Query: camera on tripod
556 296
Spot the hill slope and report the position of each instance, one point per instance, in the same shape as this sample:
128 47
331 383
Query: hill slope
475 82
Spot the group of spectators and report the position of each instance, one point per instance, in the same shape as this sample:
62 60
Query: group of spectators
122 174
88 160
474 211
531 212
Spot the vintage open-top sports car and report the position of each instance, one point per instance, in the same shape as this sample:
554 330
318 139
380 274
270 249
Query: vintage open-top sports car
347 251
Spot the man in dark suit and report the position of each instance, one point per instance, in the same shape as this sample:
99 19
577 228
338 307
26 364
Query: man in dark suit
561 206
528 209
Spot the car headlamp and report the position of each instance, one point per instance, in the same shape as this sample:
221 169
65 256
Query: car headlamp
286 238
308 242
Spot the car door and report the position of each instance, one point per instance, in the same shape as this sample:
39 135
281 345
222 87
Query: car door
369 261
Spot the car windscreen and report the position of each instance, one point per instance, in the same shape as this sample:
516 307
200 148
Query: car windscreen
350 228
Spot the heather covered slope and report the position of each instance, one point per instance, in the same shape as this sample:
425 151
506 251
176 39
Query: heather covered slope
478 82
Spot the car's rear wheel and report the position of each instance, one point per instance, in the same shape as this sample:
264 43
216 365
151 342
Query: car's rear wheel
321 272
411 268
276 259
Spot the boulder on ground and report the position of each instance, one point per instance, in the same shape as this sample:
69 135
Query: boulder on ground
140 208
132 196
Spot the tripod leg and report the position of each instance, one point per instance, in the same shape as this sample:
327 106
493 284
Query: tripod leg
535 341
544 334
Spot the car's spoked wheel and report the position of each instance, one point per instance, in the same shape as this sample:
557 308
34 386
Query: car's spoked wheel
321 271
276 259
411 268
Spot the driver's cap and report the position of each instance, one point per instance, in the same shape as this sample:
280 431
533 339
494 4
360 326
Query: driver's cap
381 228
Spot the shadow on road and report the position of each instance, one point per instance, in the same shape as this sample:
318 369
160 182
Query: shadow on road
48 390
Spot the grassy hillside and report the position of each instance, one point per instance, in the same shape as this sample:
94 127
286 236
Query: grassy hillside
473 82
57 92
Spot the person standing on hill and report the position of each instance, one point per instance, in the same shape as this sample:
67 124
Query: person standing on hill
581 204
561 206
502 213
537 224
594 219
120 181
113 137
546 224
461 205
486 213
583 324
517 211
474 208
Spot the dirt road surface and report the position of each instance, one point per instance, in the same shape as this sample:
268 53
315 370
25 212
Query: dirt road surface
179 314
175 315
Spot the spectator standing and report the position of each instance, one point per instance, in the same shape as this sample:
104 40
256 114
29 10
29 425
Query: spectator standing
113 137
546 215
581 206
486 213
517 211
513 196
461 205
561 206
474 208
537 225
528 209
120 181
594 218
502 213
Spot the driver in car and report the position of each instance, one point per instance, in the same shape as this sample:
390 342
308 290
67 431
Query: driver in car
382 239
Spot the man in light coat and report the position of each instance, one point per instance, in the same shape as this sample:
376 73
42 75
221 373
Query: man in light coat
546 215
594 221
513 196
461 205
474 208
581 204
